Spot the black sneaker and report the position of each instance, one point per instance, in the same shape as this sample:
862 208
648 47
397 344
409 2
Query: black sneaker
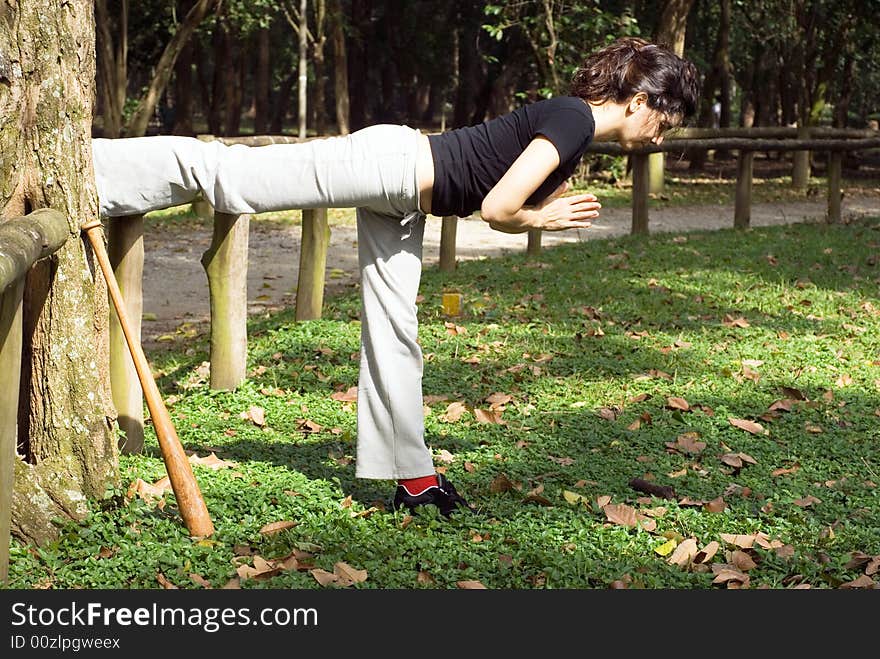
442 495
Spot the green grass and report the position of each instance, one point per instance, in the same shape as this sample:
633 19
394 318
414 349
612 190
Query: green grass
590 341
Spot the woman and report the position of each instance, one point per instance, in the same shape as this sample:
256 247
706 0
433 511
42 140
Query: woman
512 169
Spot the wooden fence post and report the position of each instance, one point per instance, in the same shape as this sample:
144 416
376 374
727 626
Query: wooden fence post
10 367
125 250
447 243
640 188
312 264
226 264
742 213
835 170
533 247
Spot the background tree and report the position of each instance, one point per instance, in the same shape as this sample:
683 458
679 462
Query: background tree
66 421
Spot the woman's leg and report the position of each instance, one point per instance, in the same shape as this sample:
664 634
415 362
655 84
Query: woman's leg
390 432
373 167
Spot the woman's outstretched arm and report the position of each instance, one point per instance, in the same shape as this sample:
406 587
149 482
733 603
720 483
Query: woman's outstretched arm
504 207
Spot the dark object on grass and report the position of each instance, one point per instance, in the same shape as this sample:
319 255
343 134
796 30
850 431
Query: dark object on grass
662 491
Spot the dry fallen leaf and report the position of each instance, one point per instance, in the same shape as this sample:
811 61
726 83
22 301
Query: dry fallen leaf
163 581
749 426
470 585
677 403
684 553
211 462
347 396
454 412
275 527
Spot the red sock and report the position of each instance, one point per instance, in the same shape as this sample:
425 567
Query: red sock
418 485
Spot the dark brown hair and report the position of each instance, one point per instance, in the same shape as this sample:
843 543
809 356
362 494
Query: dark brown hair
630 65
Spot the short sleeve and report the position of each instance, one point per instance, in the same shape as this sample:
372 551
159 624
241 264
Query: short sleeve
568 124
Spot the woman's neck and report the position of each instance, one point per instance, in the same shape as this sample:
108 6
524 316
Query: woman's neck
608 117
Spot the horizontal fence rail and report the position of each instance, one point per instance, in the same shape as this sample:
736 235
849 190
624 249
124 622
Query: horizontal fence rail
23 242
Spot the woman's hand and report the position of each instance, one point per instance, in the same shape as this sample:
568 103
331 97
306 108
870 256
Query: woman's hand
558 212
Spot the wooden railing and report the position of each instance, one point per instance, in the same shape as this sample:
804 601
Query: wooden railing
225 261
23 242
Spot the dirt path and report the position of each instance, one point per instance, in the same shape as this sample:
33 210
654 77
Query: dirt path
176 288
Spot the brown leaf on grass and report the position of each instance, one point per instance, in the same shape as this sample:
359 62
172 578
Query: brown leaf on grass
687 443
608 414
739 540
783 404
308 426
807 501
619 513
347 575
149 493
163 581
233 584
677 403
454 412
725 573
716 505
684 553
534 495
470 585
707 553
201 581
864 581
813 428
489 416
498 400
742 560
785 470
431 399
501 483
275 527
323 577
748 426
211 462
350 395
445 456
425 577
255 415
730 321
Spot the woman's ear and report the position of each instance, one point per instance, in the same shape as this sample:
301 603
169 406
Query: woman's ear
639 99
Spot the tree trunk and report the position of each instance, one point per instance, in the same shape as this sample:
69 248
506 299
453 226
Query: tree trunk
216 110
66 424
262 83
340 68
358 73
302 68
670 31
112 62
140 118
318 105
234 87
183 82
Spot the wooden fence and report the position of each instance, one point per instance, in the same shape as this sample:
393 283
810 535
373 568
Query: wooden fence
23 242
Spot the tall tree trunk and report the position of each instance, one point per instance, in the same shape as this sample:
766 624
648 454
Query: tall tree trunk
217 109
670 31
358 72
140 118
66 428
319 41
303 76
234 87
112 61
183 82
262 83
340 68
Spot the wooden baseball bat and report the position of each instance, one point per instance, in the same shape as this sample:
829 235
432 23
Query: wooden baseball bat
183 482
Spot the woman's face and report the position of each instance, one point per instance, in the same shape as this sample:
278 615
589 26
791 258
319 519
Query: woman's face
644 125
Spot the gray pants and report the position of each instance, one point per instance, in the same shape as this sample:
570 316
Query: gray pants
372 170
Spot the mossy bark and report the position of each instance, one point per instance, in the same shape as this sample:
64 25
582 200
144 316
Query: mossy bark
66 421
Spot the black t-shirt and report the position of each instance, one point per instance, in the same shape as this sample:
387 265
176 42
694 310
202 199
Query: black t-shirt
469 161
